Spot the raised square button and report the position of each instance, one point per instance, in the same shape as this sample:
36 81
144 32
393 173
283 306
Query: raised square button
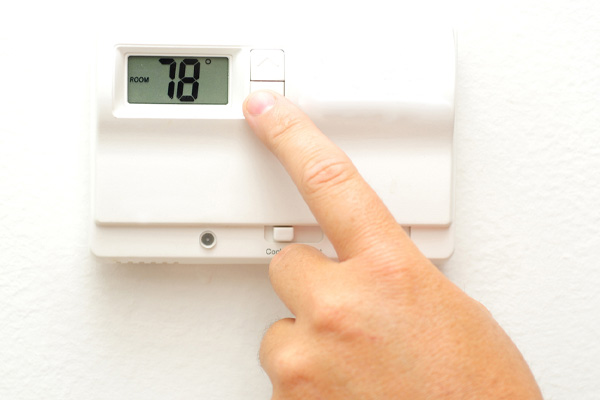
267 65
283 233
278 87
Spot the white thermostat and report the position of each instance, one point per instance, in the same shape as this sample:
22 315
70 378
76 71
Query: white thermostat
179 177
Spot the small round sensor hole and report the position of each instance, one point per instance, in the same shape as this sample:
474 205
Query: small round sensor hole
208 239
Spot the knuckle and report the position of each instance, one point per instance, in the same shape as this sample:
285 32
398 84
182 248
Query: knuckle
271 341
332 315
288 363
323 174
291 367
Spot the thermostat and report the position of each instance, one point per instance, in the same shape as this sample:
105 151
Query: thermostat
179 176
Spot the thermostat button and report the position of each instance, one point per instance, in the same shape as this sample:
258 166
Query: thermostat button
283 233
278 87
267 65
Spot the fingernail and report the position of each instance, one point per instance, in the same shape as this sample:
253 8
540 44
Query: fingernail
260 102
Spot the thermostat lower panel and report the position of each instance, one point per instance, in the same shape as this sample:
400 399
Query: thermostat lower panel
257 244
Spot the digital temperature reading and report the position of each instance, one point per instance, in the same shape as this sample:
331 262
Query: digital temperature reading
177 80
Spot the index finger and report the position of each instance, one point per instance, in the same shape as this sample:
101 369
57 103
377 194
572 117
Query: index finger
350 213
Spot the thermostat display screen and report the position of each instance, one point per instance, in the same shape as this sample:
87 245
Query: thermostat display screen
177 80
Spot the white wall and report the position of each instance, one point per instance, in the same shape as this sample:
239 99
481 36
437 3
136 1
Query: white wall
527 204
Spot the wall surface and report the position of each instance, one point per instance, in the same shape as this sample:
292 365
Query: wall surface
527 202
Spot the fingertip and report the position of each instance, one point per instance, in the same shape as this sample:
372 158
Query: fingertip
259 102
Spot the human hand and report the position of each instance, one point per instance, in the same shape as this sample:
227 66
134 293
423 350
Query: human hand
383 322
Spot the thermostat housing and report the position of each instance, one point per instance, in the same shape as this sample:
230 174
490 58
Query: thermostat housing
179 176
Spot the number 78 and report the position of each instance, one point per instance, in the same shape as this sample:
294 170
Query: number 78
183 79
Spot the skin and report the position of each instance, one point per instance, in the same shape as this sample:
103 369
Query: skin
383 322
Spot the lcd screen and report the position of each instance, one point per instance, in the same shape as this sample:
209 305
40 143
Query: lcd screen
177 80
